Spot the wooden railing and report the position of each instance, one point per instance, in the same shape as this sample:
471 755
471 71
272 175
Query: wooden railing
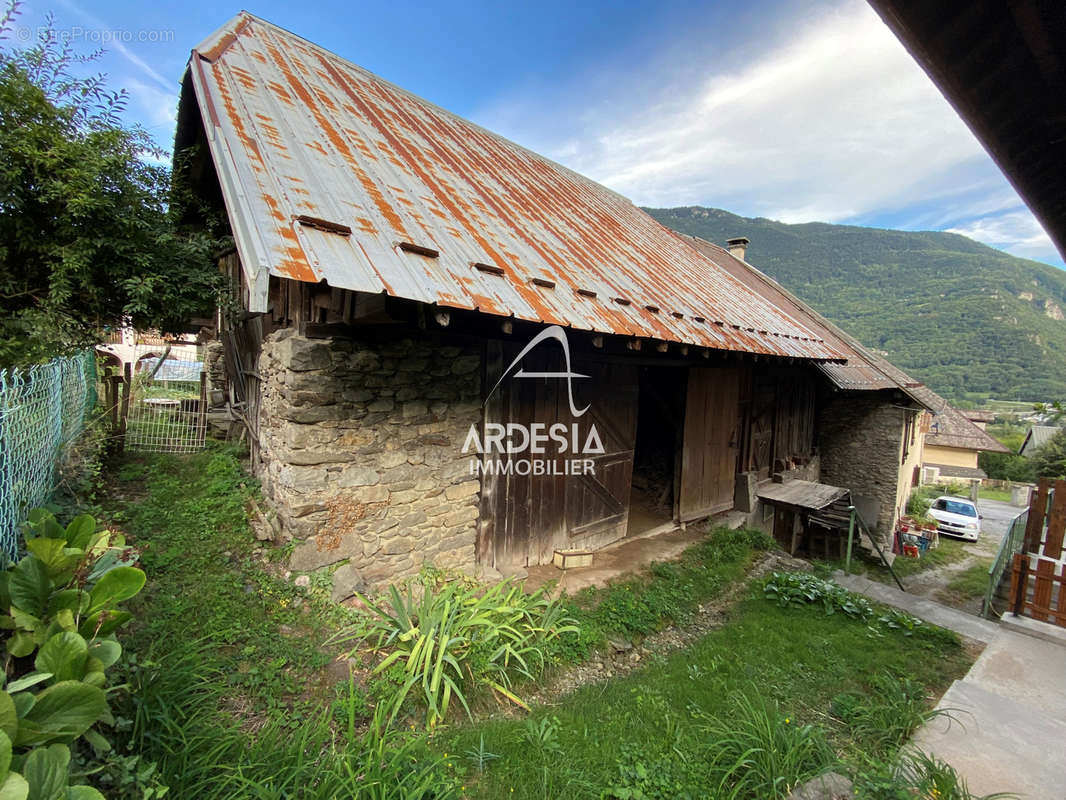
1038 573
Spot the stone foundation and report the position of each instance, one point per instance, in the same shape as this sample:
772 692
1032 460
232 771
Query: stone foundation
361 453
860 440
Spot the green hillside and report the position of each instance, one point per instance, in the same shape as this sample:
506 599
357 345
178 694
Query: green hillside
969 320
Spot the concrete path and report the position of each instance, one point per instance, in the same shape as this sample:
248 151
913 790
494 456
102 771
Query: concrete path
1008 732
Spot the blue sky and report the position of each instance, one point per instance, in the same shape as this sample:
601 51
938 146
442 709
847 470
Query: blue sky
798 111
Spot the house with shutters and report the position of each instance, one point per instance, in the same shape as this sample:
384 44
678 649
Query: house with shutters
447 348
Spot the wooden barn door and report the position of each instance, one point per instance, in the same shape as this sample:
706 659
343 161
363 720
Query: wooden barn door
526 517
597 505
709 451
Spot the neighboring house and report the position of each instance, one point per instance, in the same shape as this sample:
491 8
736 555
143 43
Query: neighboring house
953 441
1037 437
452 349
141 350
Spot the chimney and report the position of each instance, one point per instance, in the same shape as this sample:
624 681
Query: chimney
738 246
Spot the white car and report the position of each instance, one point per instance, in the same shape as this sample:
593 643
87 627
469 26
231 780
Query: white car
956 516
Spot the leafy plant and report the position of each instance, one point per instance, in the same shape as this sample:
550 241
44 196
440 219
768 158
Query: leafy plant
453 637
915 774
758 752
59 607
884 718
479 756
799 589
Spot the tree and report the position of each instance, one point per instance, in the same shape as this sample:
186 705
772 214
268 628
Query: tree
1050 459
1007 466
87 235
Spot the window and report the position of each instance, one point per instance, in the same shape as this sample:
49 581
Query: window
955 507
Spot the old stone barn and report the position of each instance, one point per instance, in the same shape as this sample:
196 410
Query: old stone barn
449 349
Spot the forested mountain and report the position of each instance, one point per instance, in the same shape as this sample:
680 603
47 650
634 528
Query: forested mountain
968 320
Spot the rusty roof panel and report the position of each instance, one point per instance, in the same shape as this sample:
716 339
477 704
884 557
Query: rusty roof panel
296 131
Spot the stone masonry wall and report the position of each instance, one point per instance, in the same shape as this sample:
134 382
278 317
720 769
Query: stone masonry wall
860 440
361 447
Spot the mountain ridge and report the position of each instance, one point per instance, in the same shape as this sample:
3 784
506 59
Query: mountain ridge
968 320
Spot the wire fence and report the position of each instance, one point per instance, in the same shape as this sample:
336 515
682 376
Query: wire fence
42 410
1011 544
166 407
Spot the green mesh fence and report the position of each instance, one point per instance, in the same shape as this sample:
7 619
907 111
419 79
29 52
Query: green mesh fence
42 410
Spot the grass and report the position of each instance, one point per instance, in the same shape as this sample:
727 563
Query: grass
968 584
230 691
666 593
652 733
949 551
231 694
188 516
999 495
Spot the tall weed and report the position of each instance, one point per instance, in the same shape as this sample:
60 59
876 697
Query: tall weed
454 637
757 752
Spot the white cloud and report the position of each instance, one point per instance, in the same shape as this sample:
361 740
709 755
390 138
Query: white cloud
1017 232
828 118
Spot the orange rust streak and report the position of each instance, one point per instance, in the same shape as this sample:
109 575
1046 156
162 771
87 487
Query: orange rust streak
527 210
224 43
445 199
338 142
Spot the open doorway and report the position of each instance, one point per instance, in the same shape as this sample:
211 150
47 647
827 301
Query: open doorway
660 419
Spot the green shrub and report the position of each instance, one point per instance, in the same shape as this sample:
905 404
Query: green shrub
59 607
455 636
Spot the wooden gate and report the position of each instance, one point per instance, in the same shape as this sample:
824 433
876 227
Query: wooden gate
709 451
526 517
1038 574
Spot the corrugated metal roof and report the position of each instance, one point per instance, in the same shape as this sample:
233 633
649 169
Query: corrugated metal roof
296 131
1037 437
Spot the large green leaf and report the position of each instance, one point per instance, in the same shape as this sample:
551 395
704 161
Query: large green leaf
62 713
47 771
107 651
25 621
26 681
5 756
75 600
82 793
104 623
58 559
80 531
9 719
64 655
29 585
42 522
21 644
119 584
23 703
14 787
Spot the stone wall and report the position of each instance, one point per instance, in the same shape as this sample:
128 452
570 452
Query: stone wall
361 453
860 441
